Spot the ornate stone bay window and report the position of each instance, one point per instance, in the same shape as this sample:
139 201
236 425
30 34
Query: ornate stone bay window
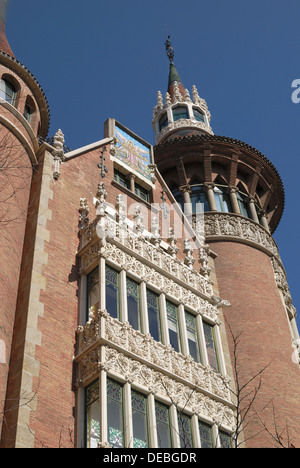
150 364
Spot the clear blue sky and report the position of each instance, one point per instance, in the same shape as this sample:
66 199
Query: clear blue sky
98 59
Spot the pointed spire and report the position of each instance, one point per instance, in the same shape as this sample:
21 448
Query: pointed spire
174 78
4 44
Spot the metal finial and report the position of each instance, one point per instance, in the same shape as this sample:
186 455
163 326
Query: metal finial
169 49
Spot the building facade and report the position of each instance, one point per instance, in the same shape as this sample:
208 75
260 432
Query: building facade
129 274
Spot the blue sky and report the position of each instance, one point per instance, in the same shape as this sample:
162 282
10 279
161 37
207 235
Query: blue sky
99 59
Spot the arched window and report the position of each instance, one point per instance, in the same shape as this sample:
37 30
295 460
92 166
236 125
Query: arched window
198 199
243 205
222 199
163 121
198 115
180 112
29 109
8 91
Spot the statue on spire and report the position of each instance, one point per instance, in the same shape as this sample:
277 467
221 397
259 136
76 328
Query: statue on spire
169 49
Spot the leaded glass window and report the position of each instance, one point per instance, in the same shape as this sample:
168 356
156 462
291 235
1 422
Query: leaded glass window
139 420
222 200
154 315
162 414
205 435
133 303
211 346
192 336
225 440
115 424
92 289
185 431
92 415
173 326
112 291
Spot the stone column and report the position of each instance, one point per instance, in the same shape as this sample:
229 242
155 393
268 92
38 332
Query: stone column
209 187
264 221
186 193
233 198
251 202
132 178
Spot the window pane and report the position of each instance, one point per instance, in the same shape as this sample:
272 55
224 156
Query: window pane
139 420
198 197
185 431
93 415
27 112
163 426
163 122
133 304
225 440
112 291
222 200
192 337
92 289
198 115
211 346
7 91
243 205
180 113
205 435
173 326
121 179
153 315
115 424
141 192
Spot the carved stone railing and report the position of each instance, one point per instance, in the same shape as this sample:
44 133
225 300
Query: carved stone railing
103 330
235 227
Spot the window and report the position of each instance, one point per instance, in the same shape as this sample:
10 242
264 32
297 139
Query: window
173 326
92 415
192 336
205 435
243 205
112 291
139 420
211 346
141 192
7 91
185 431
27 113
180 112
133 304
162 414
222 199
92 289
178 197
198 115
115 424
121 179
163 122
153 315
198 199
225 440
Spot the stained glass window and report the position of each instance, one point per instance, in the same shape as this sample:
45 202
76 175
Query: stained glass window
115 425
112 291
173 325
139 420
93 415
185 431
153 315
163 426
92 289
211 346
192 336
225 440
205 435
133 303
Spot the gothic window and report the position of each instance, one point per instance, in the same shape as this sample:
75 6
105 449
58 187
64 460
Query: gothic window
206 437
243 205
198 199
225 440
180 112
8 91
163 426
139 420
198 115
115 424
92 415
211 346
133 304
222 199
173 325
29 109
92 289
154 315
185 431
163 122
112 292
192 336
